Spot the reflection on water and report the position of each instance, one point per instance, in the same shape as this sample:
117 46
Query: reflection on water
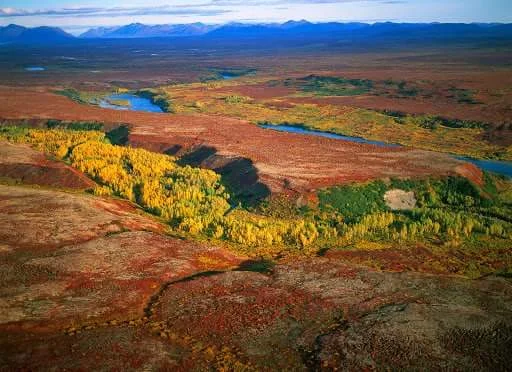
136 103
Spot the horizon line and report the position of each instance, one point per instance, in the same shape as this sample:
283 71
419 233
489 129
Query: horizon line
247 22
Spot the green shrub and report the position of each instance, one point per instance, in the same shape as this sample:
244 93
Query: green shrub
333 86
234 99
355 201
74 125
71 94
157 97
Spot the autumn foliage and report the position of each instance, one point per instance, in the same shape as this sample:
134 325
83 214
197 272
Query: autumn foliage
192 200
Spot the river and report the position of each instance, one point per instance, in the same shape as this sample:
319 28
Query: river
495 166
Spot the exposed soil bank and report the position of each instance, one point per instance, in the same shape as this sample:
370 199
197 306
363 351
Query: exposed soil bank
20 163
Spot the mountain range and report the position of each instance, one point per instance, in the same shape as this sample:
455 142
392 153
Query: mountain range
296 30
19 34
138 30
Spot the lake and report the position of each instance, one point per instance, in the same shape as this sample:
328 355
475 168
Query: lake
495 166
136 103
35 68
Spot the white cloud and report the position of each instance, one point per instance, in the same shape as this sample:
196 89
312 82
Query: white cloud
112 12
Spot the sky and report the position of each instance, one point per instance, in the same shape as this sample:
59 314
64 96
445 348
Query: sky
79 15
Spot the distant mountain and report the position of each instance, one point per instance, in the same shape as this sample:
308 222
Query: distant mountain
292 24
234 29
10 32
37 35
303 31
44 35
138 30
290 33
289 30
99 32
241 30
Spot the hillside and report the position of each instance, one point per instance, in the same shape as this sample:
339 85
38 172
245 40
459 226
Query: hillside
138 30
37 35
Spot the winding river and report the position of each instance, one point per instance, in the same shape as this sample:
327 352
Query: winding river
495 166
136 103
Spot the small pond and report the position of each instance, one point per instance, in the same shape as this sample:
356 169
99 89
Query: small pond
127 101
227 76
232 74
35 68
495 166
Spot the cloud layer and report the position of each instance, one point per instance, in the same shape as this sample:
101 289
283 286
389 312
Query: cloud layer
119 12
112 12
207 8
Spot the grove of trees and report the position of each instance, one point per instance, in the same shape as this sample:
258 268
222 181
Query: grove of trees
194 201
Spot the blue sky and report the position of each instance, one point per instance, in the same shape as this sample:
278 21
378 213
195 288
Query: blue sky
77 16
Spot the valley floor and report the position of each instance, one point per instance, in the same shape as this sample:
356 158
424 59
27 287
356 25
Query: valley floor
247 248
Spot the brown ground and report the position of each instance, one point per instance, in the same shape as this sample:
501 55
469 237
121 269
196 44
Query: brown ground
491 90
20 163
73 259
119 302
282 160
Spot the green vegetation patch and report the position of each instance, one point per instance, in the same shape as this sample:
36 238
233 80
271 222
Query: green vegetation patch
119 135
331 86
157 97
72 94
235 99
451 208
463 96
456 192
227 73
433 121
74 125
92 98
119 102
354 201
402 88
